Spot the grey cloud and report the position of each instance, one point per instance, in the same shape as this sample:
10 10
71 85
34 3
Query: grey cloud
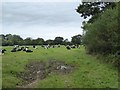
40 13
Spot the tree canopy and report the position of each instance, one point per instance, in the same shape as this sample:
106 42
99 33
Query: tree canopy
58 40
76 39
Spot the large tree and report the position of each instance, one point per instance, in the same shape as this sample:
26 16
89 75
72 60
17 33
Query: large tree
38 41
28 41
76 39
17 40
58 40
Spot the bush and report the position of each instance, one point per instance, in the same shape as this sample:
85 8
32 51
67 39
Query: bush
102 36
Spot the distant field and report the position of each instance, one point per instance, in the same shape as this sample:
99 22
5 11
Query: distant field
88 72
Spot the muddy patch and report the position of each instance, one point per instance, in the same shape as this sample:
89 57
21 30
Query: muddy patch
39 70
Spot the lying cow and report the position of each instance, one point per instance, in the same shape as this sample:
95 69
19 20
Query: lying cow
2 52
29 51
20 49
25 49
73 46
13 50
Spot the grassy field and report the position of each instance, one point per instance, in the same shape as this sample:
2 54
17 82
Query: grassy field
89 72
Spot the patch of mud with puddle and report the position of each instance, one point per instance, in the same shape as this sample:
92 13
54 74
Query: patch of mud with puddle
38 70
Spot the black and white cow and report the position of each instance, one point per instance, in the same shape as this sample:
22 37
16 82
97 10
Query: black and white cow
2 52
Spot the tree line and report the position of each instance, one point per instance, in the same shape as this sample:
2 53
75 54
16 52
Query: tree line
10 40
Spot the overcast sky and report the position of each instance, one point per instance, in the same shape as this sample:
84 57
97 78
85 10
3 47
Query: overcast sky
41 19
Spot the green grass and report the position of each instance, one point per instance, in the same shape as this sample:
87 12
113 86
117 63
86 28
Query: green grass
89 72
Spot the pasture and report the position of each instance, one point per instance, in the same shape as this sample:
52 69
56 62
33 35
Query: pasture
87 71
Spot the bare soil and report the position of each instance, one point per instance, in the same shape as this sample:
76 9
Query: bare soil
38 70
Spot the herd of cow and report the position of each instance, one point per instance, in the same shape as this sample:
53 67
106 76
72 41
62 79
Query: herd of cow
26 49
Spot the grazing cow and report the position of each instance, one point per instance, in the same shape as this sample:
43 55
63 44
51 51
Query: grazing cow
68 47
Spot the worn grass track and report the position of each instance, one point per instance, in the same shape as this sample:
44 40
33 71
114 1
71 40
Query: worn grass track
90 72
